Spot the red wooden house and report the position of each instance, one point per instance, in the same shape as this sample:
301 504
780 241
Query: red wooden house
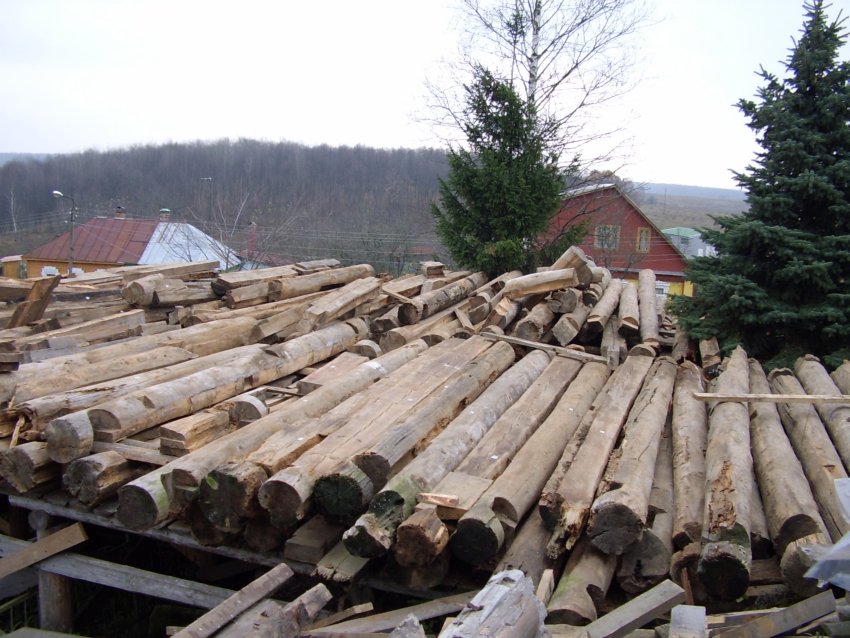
620 237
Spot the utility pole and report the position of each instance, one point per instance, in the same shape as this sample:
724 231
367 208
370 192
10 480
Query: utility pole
73 218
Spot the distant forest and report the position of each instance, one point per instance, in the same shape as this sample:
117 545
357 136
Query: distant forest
356 204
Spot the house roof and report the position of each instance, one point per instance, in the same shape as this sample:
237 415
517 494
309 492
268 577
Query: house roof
681 231
102 239
134 241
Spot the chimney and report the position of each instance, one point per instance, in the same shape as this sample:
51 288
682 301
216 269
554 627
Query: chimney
164 215
120 213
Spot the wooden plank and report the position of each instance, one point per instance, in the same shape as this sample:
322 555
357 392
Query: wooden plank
570 353
43 548
638 611
390 619
773 398
688 621
783 620
140 581
249 595
36 302
345 614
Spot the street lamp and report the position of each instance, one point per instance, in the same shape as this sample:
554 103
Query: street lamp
59 195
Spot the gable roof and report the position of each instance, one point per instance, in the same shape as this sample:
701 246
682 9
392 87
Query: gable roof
134 241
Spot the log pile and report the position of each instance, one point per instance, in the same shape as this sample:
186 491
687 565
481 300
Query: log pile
435 423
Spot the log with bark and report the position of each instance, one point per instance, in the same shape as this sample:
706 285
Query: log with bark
290 287
578 486
605 308
339 302
619 515
428 304
818 456
27 466
583 586
540 283
629 311
689 437
570 324
482 531
374 532
726 556
575 258
535 324
95 478
647 301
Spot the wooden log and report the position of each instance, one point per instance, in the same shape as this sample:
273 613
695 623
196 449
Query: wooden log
535 324
481 532
374 532
140 291
397 337
835 416
648 308
578 486
95 478
527 552
681 347
505 606
574 257
689 438
504 313
229 280
570 324
185 295
760 543
583 586
789 505
249 595
442 407
338 366
430 303
724 565
561 301
618 517
841 377
812 445
540 282
114 420
338 302
367 348
613 345
647 562
277 619
147 501
27 466
290 287
709 353
799 557
286 494
607 305
181 436
629 311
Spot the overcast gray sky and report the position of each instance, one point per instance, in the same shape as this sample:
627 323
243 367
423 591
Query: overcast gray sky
81 74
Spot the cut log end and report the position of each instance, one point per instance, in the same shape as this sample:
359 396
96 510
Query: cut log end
286 496
229 494
799 556
420 539
368 537
342 496
476 540
138 509
69 437
724 570
614 528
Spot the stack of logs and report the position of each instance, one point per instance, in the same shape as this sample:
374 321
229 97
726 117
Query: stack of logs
547 421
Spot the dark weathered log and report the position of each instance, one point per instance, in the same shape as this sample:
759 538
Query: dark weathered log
583 585
709 355
535 324
789 505
504 313
760 543
821 462
799 556
429 304
540 282
681 347
97 477
561 301
618 516
647 562
374 532
724 565
27 466
527 552
570 324
505 608
690 432
648 308
835 416
378 460
480 532
613 346
629 311
578 485
147 501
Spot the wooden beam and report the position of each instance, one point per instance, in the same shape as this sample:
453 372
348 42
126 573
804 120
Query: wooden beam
773 398
43 548
140 581
249 595
783 620
570 353
638 611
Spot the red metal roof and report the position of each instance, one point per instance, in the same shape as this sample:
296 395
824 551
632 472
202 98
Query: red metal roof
102 239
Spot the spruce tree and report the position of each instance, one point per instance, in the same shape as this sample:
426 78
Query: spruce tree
780 285
503 187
